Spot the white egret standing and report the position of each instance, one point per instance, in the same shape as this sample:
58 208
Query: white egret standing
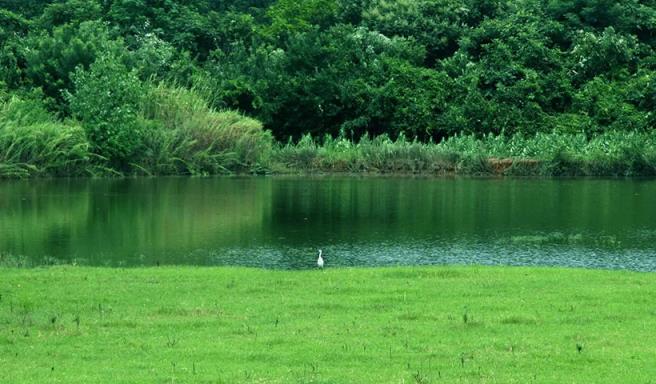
320 260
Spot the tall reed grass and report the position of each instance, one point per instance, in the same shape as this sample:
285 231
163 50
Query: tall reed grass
33 143
544 154
378 155
185 136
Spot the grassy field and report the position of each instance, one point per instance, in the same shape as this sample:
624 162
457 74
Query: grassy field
391 325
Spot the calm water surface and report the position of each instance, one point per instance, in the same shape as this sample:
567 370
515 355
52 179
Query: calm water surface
280 222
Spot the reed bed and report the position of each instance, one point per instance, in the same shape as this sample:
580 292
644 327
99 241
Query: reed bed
544 154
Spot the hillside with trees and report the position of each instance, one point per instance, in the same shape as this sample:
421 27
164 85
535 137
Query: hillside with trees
199 86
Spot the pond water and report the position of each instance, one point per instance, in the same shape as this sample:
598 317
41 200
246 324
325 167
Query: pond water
280 222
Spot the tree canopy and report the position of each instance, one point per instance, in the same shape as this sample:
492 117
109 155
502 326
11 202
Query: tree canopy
422 68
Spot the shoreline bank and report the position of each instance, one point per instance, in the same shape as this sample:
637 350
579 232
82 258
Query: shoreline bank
614 154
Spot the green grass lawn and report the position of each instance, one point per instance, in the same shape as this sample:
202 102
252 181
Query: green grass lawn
387 325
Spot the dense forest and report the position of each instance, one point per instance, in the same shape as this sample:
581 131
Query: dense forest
199 86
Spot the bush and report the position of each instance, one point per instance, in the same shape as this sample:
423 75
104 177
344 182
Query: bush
106 101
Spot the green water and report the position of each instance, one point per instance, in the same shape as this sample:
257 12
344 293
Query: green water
281 222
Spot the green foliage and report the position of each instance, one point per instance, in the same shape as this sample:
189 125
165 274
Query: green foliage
13 29
106 101
32 143
607 53
231 27
71 12
294 91
413 99
291 17
29 9
192 138
51 58
435 25
610 107
181 23
24 112
421 69
630 16
10 61
152 57
11 25
613 153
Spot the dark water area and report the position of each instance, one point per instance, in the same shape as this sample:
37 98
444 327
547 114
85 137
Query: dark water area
280 222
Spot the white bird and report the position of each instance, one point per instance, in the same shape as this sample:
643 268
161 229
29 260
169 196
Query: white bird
320 260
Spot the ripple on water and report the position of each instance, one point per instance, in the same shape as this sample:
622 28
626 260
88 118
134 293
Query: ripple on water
424 253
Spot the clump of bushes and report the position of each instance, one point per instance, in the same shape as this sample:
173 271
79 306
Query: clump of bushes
120 125
137 127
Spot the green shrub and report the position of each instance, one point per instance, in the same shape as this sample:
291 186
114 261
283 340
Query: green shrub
106 101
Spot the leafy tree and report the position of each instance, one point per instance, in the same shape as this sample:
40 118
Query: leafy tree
229 28
180 23
28 9
608 53
13 28
436 25
72 12
289 17
608 105
51 58
152 56
413 100
319 82
12 25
